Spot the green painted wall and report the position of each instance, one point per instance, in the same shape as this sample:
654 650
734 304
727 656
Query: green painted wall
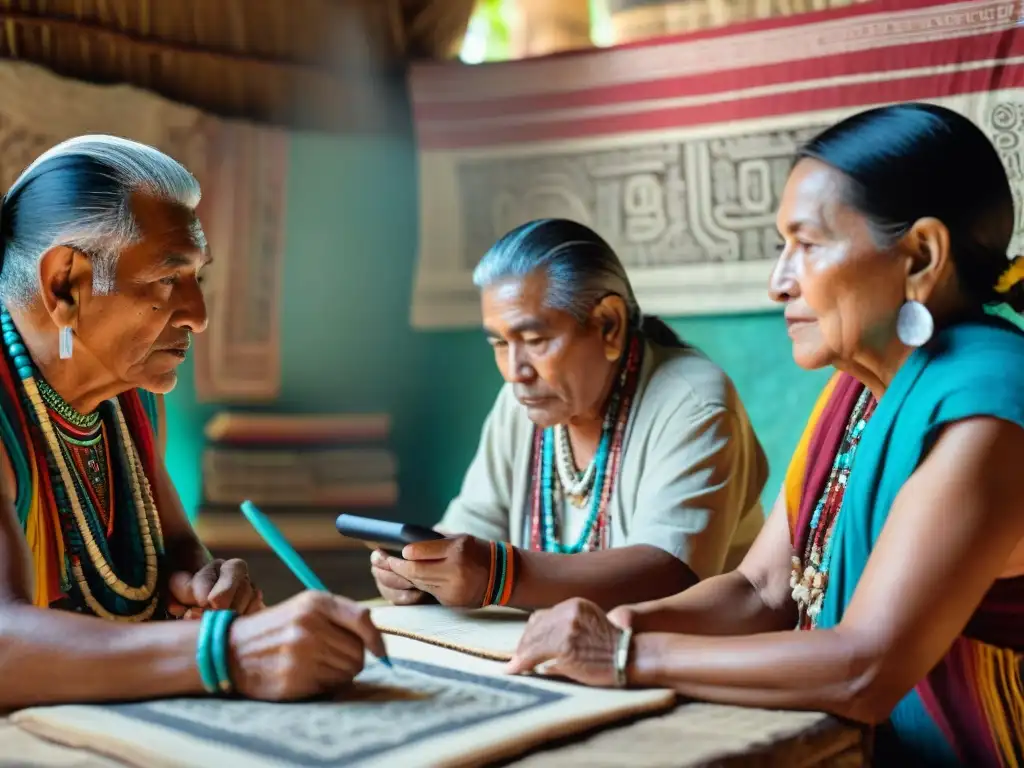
348 344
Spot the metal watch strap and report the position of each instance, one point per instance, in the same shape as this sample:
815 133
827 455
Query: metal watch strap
622 657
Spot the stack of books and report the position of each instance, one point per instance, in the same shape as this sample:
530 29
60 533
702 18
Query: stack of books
302 470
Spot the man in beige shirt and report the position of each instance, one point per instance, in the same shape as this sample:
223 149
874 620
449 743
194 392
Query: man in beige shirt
611 441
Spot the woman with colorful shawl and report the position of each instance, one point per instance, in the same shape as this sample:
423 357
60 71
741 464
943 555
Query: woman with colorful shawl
896 548
100 257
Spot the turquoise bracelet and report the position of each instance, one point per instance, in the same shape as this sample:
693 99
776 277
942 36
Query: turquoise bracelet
220 647
212 651
204 659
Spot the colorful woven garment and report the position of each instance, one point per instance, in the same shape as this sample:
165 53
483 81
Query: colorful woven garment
83 494
970 709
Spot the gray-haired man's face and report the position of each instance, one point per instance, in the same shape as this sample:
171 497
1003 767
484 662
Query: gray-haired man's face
559 368
141 330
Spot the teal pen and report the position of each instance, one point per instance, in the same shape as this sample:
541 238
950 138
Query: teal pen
286 552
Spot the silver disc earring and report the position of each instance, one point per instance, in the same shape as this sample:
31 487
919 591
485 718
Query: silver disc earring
914 324
65 342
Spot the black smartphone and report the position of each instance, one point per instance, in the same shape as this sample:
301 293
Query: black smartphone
382 534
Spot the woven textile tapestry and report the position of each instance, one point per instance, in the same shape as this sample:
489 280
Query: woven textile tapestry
242 171
435 708
676 150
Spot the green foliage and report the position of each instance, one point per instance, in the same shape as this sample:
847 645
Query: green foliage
496 14
488 38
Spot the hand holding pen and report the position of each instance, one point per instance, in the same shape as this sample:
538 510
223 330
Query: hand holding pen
311 644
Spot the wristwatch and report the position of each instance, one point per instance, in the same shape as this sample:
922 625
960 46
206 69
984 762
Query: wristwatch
622 657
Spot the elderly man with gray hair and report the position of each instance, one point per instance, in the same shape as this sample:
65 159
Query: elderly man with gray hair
612 442
101 256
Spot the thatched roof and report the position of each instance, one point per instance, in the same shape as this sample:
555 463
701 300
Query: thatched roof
316 64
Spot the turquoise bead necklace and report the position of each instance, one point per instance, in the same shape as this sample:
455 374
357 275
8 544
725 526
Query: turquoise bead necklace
549 491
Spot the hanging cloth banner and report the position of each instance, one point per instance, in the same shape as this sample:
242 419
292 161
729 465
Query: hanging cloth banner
676 150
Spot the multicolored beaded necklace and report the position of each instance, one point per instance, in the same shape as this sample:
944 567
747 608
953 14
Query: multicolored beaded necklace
103 552
85 449
556 481
809 577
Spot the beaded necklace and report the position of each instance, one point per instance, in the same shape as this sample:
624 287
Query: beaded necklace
809 576
577 485
88 451
556 482
59 406
56 431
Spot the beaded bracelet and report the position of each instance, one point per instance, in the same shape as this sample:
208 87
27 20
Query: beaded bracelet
501 580
212 651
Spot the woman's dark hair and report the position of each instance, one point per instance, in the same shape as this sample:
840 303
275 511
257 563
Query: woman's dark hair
580 266
906 162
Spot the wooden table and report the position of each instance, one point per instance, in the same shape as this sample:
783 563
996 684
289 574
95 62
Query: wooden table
693 734
697 734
